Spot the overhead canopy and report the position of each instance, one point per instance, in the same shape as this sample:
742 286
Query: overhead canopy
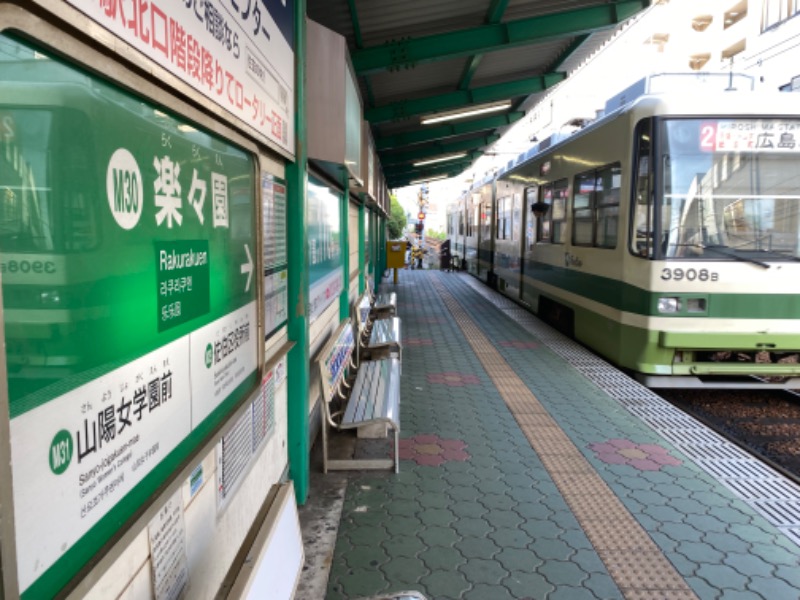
416 59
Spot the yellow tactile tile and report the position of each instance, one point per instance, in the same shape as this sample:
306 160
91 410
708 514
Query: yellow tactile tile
633 560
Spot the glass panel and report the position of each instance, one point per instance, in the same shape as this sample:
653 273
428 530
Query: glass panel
643 213
582 228
516 216
731 188
353 125
559 210
584 189
607 224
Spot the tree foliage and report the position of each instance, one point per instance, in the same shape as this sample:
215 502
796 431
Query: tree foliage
397 220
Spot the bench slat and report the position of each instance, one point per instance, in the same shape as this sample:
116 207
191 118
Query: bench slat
376 394
385 331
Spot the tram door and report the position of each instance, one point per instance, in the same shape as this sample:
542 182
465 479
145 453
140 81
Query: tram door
485 237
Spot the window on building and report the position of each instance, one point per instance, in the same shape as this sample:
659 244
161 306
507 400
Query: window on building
774 12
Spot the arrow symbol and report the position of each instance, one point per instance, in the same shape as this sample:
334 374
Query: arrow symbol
248 268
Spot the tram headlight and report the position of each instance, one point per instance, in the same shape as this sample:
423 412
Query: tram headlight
669 305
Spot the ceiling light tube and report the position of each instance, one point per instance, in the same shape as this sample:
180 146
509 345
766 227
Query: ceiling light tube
439 159
425 179
460 114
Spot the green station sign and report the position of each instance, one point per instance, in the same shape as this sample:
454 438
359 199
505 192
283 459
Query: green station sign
127 237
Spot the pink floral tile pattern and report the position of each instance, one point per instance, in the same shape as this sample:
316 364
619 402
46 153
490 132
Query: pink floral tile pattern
417 342
645 457
431 450
519 344
453 379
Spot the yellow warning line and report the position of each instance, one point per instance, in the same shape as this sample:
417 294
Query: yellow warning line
633 560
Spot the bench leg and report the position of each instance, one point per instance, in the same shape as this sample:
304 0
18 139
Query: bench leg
324 439
396 450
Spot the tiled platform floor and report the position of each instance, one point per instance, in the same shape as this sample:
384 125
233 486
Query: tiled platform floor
520 478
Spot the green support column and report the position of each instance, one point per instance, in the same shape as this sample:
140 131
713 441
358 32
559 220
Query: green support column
344 214
373 244
297 249
361 253
381 251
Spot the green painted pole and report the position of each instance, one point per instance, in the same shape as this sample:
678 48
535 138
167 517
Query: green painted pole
297 250
381 251
361 250
344 244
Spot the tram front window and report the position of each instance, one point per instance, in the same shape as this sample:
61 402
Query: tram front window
731 189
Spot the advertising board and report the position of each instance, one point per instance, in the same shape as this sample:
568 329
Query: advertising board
326 276
237 53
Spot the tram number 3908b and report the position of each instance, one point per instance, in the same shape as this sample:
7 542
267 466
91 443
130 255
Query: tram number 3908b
668 274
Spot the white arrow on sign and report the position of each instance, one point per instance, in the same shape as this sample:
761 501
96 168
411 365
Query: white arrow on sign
248 268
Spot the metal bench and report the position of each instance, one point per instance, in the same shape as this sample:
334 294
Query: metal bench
383 304
377 337
370 397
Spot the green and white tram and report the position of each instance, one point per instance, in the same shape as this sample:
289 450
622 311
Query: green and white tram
665 236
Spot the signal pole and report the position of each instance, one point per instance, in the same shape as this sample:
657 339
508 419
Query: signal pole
422 202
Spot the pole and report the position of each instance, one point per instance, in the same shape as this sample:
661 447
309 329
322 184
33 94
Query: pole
297 251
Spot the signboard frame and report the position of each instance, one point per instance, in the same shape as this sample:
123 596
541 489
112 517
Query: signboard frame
242 60
166 472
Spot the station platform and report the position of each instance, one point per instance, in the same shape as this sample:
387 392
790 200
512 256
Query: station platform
530 468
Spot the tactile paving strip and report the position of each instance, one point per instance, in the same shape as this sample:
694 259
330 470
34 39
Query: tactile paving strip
632 559
767 491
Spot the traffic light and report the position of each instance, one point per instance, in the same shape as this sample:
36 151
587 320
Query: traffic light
418 227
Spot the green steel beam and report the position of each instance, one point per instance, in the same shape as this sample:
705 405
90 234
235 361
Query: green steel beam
402 170
437 150
404 181
356 25
574 45
297 282
463 98
494 14
429 134
431 171
493 36
360 44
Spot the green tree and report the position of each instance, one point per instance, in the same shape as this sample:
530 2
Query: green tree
435 234
397 220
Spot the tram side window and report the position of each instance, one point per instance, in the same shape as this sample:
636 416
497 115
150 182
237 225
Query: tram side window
558 221
504 210
535 228
516 217
485 231
595 207
44 206
476 220
642 225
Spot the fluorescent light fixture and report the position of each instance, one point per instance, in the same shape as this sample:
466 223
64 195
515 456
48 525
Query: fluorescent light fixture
439 159
462 113
425 179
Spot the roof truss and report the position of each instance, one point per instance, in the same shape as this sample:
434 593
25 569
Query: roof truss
492 36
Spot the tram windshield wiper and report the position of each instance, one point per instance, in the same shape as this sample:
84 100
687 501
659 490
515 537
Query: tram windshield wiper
727 251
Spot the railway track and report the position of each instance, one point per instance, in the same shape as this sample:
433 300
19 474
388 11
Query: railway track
766 423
